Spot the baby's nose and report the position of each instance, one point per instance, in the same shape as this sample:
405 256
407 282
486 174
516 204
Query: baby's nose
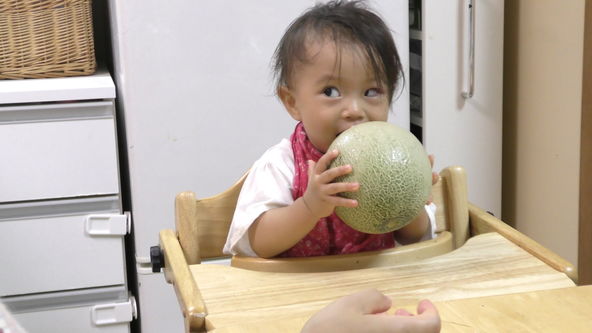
353 109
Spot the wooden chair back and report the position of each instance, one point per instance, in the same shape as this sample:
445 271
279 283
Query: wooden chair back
202 227
202 224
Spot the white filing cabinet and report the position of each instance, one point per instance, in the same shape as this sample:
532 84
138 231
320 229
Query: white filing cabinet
62 228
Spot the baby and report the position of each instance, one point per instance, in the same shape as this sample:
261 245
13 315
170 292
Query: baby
337 66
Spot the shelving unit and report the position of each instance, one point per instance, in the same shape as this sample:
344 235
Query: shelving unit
61 219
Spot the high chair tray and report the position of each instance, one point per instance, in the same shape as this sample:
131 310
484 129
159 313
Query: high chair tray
487 264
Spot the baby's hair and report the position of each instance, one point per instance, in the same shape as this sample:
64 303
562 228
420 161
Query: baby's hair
339 21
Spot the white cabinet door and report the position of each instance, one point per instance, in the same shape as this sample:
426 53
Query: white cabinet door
457 130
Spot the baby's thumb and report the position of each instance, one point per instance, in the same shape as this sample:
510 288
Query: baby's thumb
372 301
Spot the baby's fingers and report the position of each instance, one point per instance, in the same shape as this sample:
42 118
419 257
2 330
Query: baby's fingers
435 177
329 175
332 191
324 162
335 188
342 202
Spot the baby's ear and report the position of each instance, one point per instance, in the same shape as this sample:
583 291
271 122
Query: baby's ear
289 102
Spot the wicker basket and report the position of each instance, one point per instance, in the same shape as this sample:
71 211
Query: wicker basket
46 38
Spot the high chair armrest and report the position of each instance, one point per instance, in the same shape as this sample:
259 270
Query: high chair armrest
483 222
177 273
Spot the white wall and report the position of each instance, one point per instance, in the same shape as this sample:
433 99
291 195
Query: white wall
196 94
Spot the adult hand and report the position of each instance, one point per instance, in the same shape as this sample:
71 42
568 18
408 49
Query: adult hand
365 311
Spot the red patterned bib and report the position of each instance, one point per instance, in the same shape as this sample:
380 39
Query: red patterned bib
330 235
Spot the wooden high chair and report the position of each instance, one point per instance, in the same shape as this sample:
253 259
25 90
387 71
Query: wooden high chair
202 226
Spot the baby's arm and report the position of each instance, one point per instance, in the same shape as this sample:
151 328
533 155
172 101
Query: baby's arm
415 230
279 229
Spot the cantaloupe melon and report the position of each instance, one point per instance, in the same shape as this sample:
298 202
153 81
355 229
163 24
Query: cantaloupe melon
393 171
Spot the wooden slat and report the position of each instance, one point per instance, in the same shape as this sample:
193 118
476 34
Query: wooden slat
483 222
457 203
177 272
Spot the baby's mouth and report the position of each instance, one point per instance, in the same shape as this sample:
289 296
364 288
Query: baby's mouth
338 134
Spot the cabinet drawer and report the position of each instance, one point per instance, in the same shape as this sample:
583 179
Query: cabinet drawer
47 248
66 320
87 310
58 150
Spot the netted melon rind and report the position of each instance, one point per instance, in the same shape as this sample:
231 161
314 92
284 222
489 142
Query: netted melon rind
394 173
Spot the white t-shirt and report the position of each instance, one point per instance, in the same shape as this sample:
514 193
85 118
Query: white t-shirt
269 185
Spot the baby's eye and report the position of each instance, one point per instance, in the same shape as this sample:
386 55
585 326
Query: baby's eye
373 92
331 92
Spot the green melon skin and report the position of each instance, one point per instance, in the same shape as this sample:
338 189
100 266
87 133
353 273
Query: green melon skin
393 171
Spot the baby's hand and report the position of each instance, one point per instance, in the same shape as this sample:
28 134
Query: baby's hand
435 178
321 194
435 175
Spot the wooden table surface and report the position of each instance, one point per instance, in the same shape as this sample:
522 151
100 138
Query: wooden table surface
566 310
486 265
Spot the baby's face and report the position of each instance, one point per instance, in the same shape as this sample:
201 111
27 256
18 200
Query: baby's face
331 94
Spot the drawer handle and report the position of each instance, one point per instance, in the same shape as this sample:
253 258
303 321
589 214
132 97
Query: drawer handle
107 224
114 313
